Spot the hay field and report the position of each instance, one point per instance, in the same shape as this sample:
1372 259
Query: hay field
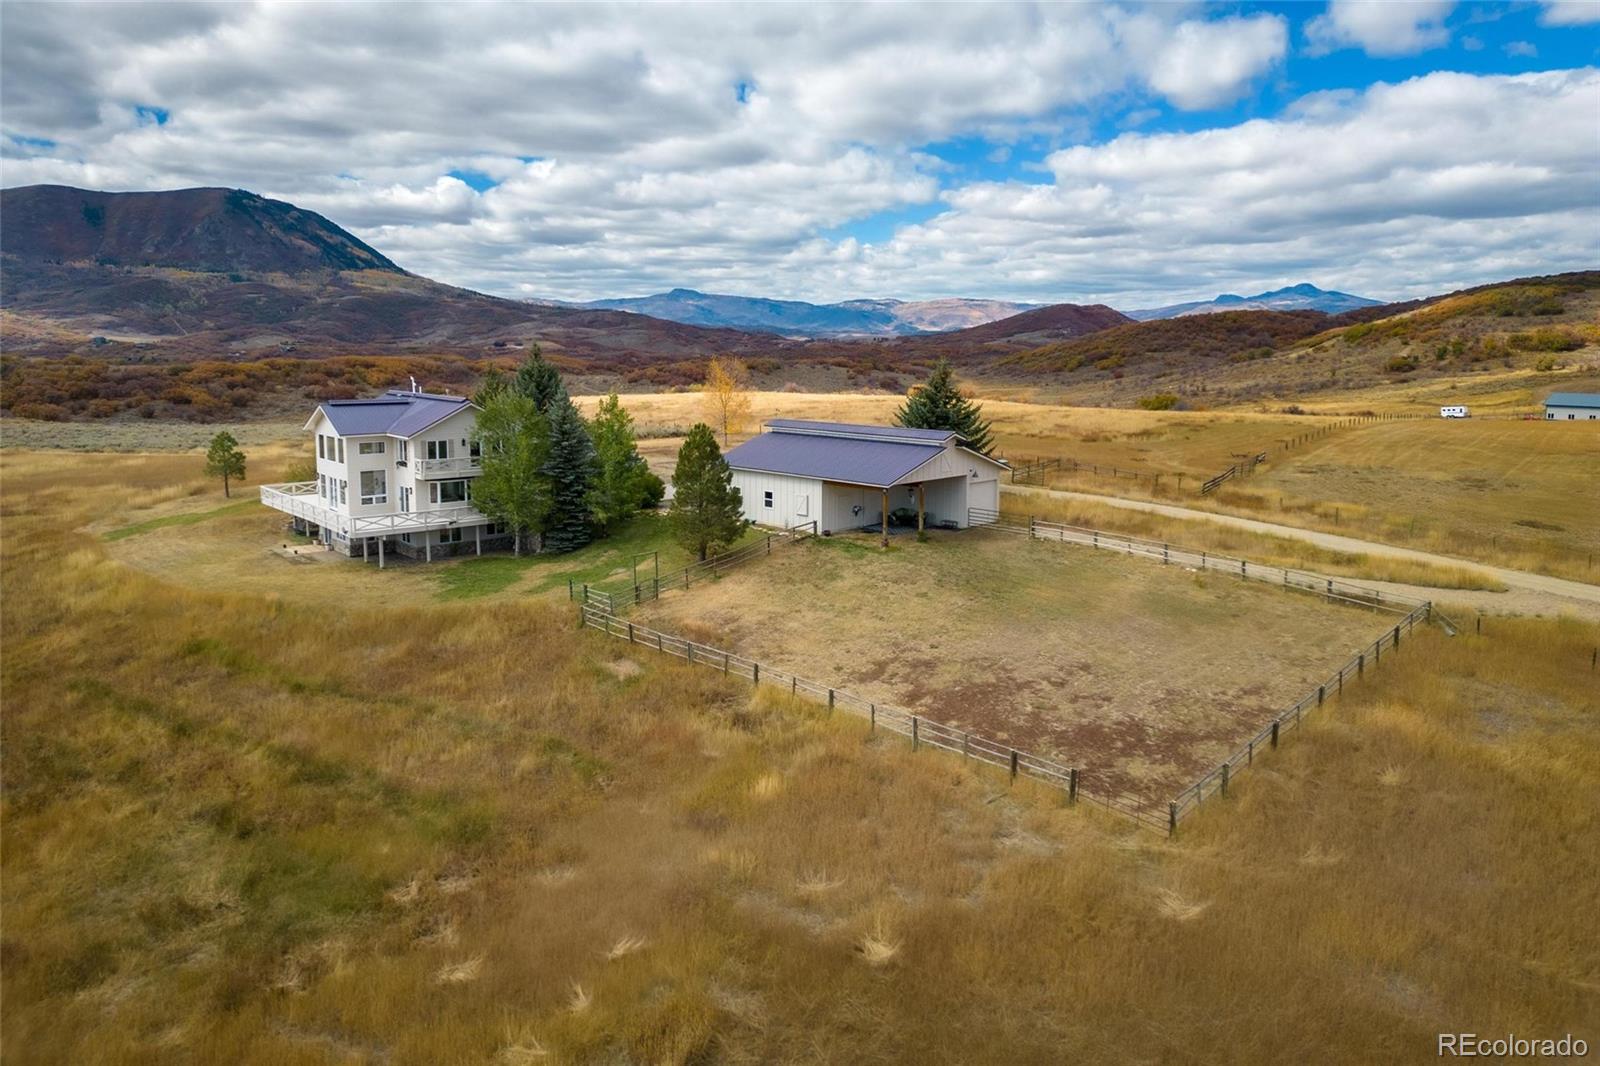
241 828
1524 494
1144 676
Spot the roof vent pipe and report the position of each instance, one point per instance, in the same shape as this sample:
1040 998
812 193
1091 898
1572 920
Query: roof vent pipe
413 383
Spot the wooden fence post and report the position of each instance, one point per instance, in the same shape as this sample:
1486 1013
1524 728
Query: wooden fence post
915 738
872 717
1172 819
630 632
1072 785
1250 756
830 701
1321 692
1397 636
688 648
1361 664
1275 732
755 673
1013 764
1224 779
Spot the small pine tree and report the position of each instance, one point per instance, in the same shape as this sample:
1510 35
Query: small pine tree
621 482
571 468
707 512
538 380
224 460
939 405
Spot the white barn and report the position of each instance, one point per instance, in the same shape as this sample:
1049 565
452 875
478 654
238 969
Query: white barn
1572 407
844 476
394 474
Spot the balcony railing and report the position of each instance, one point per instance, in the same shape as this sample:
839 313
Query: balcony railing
457 466
300 499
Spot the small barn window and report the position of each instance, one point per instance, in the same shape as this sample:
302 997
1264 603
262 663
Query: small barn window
766 498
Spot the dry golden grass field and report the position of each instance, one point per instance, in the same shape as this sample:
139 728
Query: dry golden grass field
380 826
1142 675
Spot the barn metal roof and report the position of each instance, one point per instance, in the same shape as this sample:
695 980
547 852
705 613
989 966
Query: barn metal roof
396 413
858 430
1573 399
852 460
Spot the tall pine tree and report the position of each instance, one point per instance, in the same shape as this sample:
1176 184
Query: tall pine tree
707 513
538 381
571 468
939 405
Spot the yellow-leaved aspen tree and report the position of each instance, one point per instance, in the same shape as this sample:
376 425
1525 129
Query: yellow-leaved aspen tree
727 391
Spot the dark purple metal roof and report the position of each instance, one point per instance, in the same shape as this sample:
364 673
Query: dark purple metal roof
856 429
399 414
852 460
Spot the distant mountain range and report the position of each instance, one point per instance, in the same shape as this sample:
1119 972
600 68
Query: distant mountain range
900 318
1302 297
797 318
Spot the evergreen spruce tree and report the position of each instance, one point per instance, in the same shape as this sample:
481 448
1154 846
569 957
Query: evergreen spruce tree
939 405
492 385
571 468
539 381
706 512
622 481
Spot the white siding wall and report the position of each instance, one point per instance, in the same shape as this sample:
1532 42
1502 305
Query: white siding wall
794 499
837 500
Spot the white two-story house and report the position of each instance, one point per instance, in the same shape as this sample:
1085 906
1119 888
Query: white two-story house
394 474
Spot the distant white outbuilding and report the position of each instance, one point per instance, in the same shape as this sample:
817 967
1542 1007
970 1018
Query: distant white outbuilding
1572 407
846 476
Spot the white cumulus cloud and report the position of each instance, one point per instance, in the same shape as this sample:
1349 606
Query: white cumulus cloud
1380 27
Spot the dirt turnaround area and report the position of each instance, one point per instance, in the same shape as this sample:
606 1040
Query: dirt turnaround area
1140 674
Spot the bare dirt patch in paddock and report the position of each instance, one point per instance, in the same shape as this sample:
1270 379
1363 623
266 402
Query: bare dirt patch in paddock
1143 675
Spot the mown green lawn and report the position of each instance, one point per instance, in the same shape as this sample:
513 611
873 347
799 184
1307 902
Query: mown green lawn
608 560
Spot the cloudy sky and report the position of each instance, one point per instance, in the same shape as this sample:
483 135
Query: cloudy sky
1131 154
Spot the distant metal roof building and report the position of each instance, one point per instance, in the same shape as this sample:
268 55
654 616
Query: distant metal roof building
1573 399
396 413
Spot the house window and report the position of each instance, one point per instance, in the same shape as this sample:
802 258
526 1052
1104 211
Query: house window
475 450
344 487
321 440
401 456
341 449
448 492
370 447
450 536
322 485
766 498
438 449
374 486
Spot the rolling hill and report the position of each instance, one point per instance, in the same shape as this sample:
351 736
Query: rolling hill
1541 325
203 273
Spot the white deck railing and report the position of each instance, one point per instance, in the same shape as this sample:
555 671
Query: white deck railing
461 464
300 499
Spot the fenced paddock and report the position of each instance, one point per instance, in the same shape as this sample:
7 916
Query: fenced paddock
918 729
1141 677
